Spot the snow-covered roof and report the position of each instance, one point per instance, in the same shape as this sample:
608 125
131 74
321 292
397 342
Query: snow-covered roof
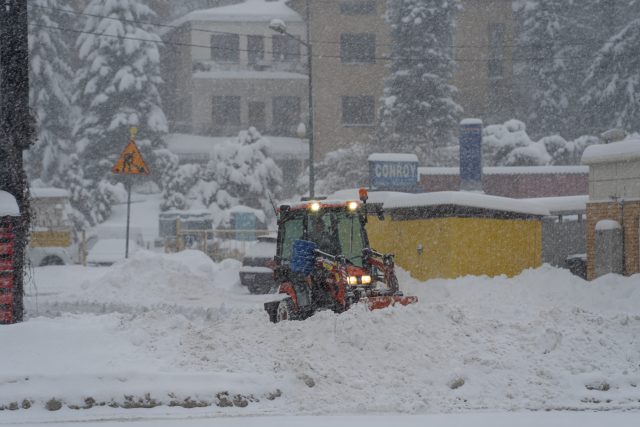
509 170
279 147
468 122
393 157
396 200
248 75
247 11
557 205
8 205
45 193
626 150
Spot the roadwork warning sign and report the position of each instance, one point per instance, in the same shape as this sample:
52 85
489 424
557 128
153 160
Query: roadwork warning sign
130 161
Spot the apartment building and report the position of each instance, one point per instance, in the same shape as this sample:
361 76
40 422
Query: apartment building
225 70
351 39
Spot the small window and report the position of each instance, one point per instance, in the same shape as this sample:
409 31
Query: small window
358 110
255 48
358 48
257 115
226 110
286 114
496 50
225 47
285 49
358 7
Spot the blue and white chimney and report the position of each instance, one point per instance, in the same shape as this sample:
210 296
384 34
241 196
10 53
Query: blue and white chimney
471 155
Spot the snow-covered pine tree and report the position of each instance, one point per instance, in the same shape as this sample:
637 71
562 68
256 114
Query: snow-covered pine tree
555 39
50 85
612 84
117 87
418 112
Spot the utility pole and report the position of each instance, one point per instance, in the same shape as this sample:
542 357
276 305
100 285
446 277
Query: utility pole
16 128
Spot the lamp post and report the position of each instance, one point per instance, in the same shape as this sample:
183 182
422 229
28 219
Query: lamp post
280 27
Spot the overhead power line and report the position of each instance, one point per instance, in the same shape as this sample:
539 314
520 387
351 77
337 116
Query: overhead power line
584 42
317 56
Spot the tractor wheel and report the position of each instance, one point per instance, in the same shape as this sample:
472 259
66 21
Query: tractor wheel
285 311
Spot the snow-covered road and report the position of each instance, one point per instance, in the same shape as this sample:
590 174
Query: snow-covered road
165 332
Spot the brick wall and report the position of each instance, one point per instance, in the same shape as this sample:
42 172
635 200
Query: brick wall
597 211
516 185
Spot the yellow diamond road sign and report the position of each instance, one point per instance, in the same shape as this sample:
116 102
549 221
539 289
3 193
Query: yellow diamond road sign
130 161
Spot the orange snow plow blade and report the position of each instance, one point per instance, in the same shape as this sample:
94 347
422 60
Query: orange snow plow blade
376 303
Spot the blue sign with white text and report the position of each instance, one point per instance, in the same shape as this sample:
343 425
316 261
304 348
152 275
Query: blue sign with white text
393 175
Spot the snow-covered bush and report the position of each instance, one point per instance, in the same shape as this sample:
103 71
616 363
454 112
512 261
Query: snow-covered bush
343 168
509 144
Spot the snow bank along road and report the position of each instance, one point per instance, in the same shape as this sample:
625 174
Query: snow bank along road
173 331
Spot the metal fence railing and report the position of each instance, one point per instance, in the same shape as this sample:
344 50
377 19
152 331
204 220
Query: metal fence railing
218 244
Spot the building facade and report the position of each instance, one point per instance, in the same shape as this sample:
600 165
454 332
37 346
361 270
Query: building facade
350 40
226 71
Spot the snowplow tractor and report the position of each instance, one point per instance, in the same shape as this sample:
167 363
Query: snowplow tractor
324 262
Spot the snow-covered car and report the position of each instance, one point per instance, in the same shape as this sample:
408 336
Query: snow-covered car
256 272
109 251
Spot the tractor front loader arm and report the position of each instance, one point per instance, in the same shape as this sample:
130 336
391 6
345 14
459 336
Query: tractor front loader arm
385 263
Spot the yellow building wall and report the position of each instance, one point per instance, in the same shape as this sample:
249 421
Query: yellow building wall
454 247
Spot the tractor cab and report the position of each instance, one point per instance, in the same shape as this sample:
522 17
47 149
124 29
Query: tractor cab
324 261
337 229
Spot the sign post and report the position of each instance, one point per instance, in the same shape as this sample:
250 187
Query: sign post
471 155
130 163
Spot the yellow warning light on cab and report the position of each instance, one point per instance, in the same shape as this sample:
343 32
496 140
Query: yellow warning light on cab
315 207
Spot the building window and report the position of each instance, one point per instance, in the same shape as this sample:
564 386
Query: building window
225 47
497 33
358 48
255 48
286 114
358 110
257 115
358 7
226 110
285 49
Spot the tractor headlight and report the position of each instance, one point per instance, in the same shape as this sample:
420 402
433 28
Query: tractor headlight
352 206
359 280
315 207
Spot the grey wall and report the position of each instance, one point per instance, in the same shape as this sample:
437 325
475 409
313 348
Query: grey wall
561 239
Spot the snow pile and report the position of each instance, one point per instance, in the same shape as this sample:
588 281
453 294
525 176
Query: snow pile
179 326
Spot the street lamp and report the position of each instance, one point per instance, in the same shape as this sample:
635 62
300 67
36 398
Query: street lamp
280 27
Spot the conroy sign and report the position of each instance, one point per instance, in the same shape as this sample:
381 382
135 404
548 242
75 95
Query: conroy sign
390 171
